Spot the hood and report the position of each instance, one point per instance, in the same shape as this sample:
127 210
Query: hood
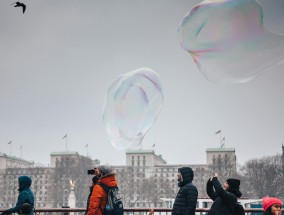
187 174
24 182
109 180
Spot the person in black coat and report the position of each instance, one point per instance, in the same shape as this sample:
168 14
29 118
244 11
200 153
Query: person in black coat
225 198
186 199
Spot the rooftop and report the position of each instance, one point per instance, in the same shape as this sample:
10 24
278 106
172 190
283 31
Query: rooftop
15 158
221 149
140 151
63 153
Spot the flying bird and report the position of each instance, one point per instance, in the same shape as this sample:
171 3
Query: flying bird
19 4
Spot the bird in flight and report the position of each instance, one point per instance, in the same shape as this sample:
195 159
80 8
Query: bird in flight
19 4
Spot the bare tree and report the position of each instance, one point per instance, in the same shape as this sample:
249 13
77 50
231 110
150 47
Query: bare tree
264 176
128 188
70 168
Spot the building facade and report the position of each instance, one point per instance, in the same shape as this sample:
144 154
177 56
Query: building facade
145 181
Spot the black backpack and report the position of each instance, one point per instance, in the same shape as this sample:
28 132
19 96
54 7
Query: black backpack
114 204
238 209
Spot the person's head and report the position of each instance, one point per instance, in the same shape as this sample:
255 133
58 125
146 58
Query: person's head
233 185
24 182
26 208
102 170
272 205
185 174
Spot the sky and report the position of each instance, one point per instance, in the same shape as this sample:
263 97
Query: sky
58 59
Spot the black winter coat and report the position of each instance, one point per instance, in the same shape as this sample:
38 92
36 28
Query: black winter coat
186 199
224 201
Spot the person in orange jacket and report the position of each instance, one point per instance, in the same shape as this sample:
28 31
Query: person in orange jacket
98 198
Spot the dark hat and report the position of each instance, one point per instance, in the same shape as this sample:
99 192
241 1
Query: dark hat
234 183
234 186
95 179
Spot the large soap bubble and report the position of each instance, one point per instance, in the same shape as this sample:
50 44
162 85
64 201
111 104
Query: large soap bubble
132 104
228 41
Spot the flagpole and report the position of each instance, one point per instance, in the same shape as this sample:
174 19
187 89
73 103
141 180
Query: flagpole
220 139
10 143
154 146
21 150
219 132
66 143
65 137
87 145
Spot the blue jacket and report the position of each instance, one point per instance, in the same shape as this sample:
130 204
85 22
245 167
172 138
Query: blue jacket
25 195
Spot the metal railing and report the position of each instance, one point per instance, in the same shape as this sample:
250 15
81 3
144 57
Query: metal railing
131 211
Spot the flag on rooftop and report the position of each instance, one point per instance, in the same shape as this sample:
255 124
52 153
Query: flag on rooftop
217 132
65 136
86 145
10 142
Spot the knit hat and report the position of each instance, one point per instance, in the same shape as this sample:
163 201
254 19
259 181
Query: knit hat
233 183
234 186
267 202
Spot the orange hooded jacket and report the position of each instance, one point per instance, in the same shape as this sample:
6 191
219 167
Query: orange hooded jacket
98 198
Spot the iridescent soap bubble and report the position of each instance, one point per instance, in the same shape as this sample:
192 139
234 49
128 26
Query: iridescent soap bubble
132 104
228 41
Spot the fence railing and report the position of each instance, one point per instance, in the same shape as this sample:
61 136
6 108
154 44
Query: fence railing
130 211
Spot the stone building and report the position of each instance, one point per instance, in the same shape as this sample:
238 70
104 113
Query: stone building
50 185
145 181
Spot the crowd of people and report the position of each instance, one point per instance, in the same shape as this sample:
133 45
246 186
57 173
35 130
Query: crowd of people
225 197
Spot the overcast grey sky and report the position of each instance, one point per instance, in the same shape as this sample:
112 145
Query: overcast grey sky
59 58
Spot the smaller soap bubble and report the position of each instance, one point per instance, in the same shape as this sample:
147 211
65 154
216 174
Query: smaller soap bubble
132 104
228 41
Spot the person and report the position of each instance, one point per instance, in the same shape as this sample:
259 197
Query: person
224 198
94 181
99 196
151 211
186 199
271 206
25 196
25 209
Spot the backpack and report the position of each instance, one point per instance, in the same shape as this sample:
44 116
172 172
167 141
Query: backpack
114 205
238 210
